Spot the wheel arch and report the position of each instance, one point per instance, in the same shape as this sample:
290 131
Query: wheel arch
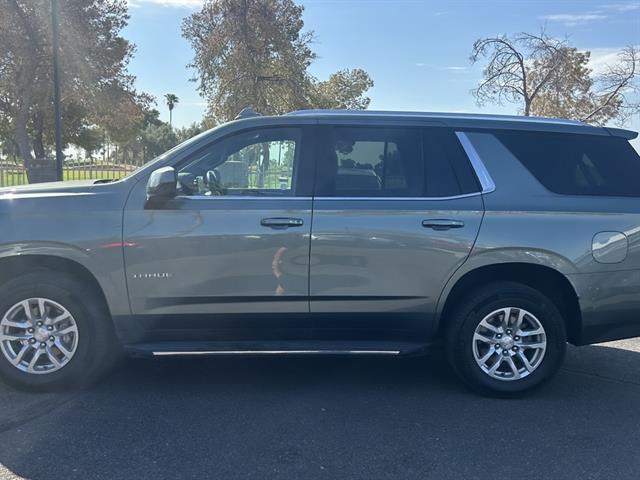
13 266
547 280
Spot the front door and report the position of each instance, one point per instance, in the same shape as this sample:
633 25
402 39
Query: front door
234 241
396 212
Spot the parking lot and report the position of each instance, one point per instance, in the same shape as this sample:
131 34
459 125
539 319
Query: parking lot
328 418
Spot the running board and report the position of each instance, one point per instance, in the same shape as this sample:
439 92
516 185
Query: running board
176 349
278 352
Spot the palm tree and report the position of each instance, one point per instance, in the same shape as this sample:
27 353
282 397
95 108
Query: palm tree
172 100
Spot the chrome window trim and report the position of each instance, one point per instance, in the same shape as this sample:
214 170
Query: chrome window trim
241 197
412 199
482 173
258 197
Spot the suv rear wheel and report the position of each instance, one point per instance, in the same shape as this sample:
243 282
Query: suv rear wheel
506 339
54 332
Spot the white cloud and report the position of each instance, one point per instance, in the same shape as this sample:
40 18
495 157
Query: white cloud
603 12
167 3
441 67
570 19
622 7
601 58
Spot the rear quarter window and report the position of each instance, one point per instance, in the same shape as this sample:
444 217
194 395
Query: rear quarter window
575 164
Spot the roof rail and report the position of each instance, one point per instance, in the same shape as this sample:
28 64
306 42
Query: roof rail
440 116
247 112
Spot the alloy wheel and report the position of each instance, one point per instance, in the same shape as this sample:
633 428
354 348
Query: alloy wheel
509 344
38 336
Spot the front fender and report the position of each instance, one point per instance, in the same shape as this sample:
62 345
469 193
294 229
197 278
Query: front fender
104 263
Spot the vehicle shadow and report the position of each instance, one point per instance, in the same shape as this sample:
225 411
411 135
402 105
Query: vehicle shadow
338 417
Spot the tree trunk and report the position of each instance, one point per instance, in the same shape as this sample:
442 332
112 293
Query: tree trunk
38 134
22 119
22 137
40 169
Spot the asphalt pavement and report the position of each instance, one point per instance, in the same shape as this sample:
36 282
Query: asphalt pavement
328 418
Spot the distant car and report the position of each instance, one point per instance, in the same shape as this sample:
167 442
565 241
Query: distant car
333 232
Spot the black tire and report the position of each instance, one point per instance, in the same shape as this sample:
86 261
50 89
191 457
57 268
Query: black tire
462 324
96 348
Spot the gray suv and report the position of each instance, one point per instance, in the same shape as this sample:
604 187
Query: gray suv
333 232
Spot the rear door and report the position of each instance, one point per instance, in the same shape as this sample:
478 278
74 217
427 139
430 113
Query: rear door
396 212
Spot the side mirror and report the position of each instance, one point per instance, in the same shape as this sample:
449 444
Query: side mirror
162 186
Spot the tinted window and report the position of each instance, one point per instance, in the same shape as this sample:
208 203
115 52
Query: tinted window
370 162
258 162
448 171
574 164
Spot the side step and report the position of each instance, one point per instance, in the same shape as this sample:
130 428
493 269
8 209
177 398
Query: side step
168 349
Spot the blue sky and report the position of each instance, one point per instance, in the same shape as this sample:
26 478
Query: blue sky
416 51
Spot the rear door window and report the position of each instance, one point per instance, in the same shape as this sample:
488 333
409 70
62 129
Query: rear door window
575 164
392 162
370 162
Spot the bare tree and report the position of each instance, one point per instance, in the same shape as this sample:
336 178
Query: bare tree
548 77
507 75
616 90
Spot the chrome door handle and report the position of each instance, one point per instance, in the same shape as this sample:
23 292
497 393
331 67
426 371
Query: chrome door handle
280 222
438 224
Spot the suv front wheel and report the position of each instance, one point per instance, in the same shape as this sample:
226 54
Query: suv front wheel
54 332
506 339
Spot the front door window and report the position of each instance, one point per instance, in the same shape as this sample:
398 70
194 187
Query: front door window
259 162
